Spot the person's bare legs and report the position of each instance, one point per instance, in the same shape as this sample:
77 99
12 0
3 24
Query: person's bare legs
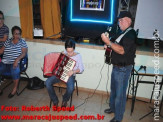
15 86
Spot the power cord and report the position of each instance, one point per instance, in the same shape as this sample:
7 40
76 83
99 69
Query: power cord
107 99
94 90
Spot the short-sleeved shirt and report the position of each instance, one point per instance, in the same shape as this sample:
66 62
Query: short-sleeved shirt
4 30
12 51
128 42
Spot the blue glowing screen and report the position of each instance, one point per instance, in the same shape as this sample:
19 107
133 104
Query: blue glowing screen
88 18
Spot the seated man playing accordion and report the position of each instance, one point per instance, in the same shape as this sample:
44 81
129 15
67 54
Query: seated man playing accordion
79 68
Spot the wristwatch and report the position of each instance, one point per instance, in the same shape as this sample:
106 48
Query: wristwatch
109 44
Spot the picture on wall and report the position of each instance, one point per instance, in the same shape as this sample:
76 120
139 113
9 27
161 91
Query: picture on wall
97 5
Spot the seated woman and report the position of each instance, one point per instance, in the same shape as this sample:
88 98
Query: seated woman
4 32
79 68
14 50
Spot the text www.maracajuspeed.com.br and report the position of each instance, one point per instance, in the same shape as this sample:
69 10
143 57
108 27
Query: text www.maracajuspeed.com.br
52 117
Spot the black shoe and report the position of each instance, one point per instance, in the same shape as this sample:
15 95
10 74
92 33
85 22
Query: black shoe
55 104
64 104
108 111
10 95
1 93
114 120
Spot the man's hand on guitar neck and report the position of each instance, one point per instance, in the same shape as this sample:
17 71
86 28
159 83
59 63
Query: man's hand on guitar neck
105 39
116 47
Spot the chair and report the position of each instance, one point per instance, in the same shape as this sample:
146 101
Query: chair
23 68
62 84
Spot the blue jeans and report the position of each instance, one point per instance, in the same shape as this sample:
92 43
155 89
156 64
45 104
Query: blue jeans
119 83
9 70
70 87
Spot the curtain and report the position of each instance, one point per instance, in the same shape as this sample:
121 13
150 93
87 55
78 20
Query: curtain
26 18
50 17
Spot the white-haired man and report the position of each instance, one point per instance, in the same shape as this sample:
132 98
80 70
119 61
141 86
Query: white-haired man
122 58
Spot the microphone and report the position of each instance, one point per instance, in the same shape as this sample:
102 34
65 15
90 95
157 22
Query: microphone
141 67
137 32
109 28
145 69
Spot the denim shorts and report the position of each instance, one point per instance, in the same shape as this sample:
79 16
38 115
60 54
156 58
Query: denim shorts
7 69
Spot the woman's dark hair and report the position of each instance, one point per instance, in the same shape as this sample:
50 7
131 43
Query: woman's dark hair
16 28
2 14
70 43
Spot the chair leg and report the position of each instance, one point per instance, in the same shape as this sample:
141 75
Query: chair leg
18 93
50 103
18 88
26 75
76 87
71 100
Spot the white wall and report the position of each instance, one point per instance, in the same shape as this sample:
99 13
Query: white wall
10 9
93 61
149 17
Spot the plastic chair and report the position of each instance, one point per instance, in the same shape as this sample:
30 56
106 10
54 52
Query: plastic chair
23 68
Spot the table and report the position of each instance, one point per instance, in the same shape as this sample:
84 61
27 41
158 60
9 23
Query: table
136 74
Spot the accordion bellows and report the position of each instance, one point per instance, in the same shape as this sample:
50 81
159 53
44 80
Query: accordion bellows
58 64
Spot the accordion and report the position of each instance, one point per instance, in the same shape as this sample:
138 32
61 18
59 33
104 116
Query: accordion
58 64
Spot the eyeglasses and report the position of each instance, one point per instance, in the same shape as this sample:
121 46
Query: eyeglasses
16 33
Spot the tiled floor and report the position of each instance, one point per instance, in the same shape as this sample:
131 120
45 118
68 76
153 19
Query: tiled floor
93 106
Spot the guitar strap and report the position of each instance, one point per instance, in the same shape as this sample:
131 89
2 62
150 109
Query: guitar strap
120 37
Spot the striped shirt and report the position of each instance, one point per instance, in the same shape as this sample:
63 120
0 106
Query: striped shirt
3 31
12 51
